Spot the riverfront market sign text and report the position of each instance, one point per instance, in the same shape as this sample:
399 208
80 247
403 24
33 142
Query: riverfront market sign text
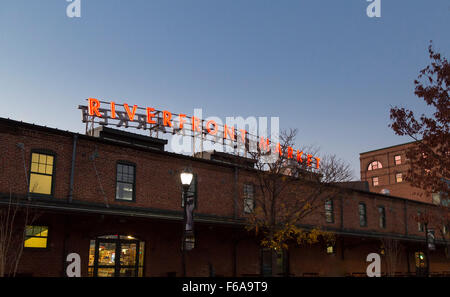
164 120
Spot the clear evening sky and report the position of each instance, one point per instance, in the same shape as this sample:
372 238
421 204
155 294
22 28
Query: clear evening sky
323 67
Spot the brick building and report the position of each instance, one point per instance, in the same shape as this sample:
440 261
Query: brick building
115 199
385 169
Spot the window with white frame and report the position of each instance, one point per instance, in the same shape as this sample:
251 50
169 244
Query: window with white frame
375 181
398 177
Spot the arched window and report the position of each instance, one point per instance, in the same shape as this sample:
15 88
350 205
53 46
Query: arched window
374 165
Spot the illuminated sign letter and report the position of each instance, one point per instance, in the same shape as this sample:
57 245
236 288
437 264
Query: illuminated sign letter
299 156
181 120
166 118
243 132
113 110
94 105
264 144
130 114
290 152
308 160
150 115
278 149
209 129
317 164
227 132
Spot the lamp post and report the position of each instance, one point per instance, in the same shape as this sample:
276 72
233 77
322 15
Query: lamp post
186 177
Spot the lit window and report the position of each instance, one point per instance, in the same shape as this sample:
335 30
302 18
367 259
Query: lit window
330 249
249 201
329 214
375 181
125 182
398 160
398 177
382 213
374 165
36 237
362 214
41 173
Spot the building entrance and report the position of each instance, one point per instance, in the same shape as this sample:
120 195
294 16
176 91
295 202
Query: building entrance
115 256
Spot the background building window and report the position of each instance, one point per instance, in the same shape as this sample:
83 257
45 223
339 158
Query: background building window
249 201
374 165
382 214
36 237
41 173
440 198
329 213
125 182
375 181
362 215
436 198
398 160
398 177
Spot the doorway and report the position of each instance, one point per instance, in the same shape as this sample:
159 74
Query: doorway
116 256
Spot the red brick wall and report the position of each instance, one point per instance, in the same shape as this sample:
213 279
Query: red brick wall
158 186
386 175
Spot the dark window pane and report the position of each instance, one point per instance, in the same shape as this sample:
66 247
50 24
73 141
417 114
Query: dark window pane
362 214
329 215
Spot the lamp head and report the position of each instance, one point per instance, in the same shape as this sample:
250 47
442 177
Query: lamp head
186 177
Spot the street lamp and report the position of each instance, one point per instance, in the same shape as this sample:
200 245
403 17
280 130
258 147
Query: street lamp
188 242
186 179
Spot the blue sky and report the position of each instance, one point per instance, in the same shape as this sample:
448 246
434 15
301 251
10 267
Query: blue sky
323 67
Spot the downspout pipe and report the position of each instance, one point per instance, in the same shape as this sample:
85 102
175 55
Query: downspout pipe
72 169
235 194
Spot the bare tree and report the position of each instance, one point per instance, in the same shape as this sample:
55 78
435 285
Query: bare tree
291 190
392 250
15 216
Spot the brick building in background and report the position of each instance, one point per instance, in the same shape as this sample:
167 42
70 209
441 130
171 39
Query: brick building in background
385 170
115 199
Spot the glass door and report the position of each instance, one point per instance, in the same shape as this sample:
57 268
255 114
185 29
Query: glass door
129 251
116 256
105 258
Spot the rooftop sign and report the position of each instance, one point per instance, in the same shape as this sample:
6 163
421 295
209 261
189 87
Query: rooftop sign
124 115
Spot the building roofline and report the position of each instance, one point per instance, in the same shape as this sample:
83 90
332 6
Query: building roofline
26 125
16 123
388 147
